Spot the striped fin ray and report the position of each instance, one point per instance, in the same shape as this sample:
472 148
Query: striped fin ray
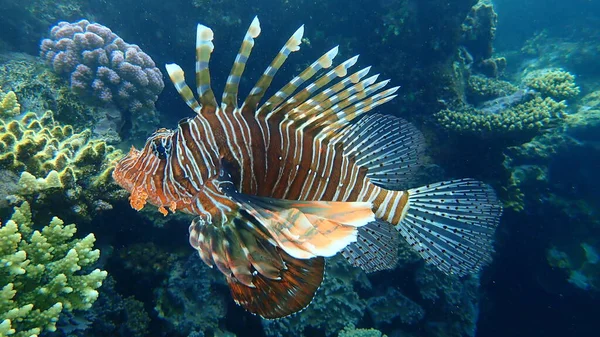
257 93
327 109
316 103
204 47
389 147
323 62
451 224
355 110
230 94
263 279
376 247
178 78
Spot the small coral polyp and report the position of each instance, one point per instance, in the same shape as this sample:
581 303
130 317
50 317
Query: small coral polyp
103 67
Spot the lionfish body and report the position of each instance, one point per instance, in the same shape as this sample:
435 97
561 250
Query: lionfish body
278 187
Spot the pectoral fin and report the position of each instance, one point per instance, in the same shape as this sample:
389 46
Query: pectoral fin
305 229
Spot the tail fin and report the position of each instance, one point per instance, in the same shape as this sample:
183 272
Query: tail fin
451 224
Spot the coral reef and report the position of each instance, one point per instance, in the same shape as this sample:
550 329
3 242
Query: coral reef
478 34
522 120
43 272
102 66
481 88
582 267
57 166
9 106
351 331
555 83
190 300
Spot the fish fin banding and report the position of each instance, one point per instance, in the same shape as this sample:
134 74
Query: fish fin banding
279 298
451 224
389 148
258 91
230 94
376 247
204 48
240 249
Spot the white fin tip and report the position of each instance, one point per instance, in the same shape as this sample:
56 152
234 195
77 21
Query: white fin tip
254 29
203 34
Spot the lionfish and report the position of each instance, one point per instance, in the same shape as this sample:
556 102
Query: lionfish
279 186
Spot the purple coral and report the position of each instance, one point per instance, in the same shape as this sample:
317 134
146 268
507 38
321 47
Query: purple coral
102 66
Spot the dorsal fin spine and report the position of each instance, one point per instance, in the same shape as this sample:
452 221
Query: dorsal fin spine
261 86
230 93
204 47
178 78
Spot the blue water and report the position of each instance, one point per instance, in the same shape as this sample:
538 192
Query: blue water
545 276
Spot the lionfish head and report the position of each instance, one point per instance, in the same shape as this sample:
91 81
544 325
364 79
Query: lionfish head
139 170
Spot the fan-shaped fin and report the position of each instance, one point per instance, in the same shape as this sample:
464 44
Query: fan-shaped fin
390 149
376 247
452 223
279 298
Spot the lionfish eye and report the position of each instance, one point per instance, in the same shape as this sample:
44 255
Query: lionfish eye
161 147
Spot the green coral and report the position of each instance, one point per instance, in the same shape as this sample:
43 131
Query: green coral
481 88
9 106
58 166
351 331
555 83
41 271
525 118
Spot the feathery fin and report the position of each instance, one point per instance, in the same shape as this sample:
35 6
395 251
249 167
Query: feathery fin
304 229
376 247
451 224
389 147
279 298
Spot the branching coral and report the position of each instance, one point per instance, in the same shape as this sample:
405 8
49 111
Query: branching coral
555 83
43 272
523 119
9 106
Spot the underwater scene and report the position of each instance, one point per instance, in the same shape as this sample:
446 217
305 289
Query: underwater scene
399 168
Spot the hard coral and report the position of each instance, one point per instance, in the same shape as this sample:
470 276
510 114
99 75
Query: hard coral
102 66
555 83
43 272
57 166
9 106
524 119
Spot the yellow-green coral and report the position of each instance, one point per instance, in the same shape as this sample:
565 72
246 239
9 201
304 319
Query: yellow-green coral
9 106
41 273
481 88
531 116
555 83
351 331
39 145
